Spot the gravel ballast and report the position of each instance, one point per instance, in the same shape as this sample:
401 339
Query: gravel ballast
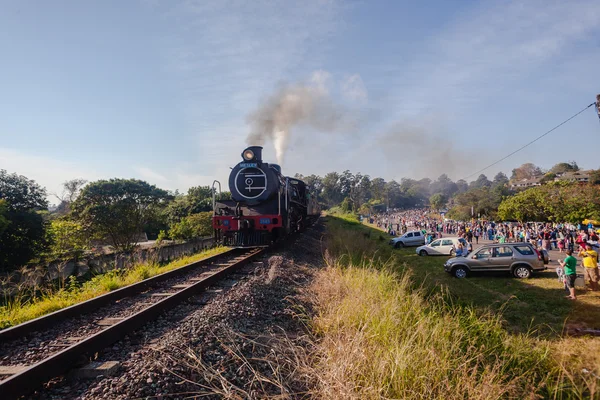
237 340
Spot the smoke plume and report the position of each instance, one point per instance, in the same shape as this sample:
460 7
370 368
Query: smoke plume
291 107
425 148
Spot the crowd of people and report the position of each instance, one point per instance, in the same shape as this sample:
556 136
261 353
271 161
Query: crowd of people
564 237
548 236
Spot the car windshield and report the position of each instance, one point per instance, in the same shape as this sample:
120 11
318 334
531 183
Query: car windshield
435 244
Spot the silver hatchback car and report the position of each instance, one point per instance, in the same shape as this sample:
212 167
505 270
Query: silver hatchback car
520 259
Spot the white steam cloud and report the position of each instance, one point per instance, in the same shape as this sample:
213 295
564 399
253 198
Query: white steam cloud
292 106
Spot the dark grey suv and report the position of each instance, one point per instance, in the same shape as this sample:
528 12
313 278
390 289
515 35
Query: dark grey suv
520 259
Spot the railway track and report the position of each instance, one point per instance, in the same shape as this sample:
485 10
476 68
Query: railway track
34 352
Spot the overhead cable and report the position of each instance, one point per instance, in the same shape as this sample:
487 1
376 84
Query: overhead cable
530 143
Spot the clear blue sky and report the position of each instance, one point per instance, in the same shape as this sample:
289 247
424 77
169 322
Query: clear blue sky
160 90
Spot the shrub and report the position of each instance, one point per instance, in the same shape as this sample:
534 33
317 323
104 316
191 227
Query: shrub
66 236
192 226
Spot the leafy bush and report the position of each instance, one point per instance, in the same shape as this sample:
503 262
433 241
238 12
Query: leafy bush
66 237
192 226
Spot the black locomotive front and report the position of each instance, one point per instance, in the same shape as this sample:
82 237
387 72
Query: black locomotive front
264 204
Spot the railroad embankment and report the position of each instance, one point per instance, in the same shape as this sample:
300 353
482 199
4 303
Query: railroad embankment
27 303
387 327
34 277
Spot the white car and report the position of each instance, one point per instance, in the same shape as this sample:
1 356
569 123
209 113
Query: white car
441 247
411 238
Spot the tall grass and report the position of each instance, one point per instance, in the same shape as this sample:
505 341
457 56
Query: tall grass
381 339
381 335
26 306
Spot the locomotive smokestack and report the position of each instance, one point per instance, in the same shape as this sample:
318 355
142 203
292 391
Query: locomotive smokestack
252 153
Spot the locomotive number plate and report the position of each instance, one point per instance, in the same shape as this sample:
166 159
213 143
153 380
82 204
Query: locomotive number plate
265 221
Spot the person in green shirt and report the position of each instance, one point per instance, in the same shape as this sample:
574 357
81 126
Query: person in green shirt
570 267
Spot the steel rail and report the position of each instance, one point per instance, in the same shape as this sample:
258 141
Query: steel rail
49 320
57 364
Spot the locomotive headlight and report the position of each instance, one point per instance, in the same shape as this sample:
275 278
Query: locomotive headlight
248 155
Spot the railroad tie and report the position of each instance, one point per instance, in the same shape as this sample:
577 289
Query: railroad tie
98 368
11 369
109 321
182 286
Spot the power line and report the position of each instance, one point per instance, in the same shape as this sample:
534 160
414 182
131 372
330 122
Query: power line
530 143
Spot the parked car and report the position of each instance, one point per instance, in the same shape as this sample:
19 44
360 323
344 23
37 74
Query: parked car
520 259
441 247
411 238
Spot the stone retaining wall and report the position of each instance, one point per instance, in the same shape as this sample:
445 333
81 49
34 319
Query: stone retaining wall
37 276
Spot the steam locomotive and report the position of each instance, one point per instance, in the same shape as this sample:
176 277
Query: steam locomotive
265 205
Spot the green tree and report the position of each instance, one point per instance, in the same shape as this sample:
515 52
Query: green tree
437 201
23 236
22 193
462 186
500 179
199 198
393 194
192 226
66 237
117 209
3 216
483 201
556 201
332 189
564 167
480 182
346 205
528 205
378 189
444 185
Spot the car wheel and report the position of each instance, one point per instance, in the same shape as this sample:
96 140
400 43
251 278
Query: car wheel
452 253
399 245
460 272
423 253
522 272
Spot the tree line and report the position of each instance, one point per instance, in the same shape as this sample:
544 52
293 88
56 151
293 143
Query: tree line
116 212
119 211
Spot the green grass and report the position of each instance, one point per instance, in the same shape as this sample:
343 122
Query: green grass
395 325
24 307
535 304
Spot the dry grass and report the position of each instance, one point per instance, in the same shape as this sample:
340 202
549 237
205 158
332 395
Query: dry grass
272 366
381 339
384 334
